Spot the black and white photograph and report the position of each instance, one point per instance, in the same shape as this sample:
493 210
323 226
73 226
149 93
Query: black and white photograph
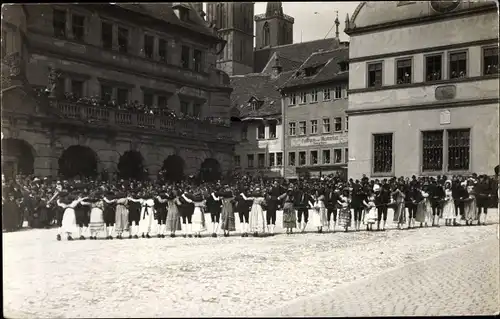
250 159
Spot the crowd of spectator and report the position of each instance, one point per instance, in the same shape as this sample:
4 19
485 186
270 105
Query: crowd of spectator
134 106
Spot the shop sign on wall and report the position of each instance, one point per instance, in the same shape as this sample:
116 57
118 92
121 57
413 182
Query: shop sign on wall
319 140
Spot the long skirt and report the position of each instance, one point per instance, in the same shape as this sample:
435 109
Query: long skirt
319 218
147 217
173 219
399 213
96 220
69 221
199 220
121 218
227 219
449 209
371 215
344 217
470 208
256 219
289 217
424 212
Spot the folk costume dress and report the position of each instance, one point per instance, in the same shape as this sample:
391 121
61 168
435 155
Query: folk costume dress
257 218
69 218
121 215
399 210
96 224
371 215
424 210
449 205
198 219
227 215
147 215
173 216
471 206
319 217
289 217
344 212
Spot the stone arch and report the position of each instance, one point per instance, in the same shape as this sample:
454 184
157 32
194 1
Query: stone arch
78 160
131 166
210 170
18 157
173 168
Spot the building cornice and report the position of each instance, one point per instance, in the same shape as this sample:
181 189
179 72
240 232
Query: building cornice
419 20
424 106
422 84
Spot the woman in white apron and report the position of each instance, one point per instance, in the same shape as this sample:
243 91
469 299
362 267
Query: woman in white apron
319 213
257 221
147 214
449 204
69 218
371 215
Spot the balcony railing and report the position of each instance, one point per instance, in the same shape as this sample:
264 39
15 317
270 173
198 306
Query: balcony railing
126 119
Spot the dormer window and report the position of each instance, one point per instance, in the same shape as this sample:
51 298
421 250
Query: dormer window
181 11
311 71
344 66
254 103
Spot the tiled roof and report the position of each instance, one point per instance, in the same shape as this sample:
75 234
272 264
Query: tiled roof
286 64
330 70
293 52
264 87
164 11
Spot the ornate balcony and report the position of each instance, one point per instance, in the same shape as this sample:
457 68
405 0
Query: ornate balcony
202 130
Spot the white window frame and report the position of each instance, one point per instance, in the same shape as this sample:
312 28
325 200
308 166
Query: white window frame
314 96
314 124
303 97
327 97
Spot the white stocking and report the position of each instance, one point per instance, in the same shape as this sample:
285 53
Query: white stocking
80 231
184 229
59 230
216 228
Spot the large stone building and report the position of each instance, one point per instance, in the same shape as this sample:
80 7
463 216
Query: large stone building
314 105
159 55
423 88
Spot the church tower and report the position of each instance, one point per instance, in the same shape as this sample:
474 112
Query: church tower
234 22
273 27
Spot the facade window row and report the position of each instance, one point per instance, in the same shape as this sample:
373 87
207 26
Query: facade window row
259 161
318 157
316 95
154 47
457 67
325 126
441 151
261 131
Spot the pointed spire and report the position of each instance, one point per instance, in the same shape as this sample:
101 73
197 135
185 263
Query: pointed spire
347 21
274 8
337 23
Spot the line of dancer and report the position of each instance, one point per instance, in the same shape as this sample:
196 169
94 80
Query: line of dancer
134 209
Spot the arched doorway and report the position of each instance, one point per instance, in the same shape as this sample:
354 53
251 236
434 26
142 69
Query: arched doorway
17 157
210 170
173 168
131 166
78 161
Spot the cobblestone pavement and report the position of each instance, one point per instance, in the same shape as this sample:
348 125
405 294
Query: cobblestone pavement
468 287
217 276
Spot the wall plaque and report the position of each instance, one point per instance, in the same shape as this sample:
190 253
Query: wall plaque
445 92
319 140
445 117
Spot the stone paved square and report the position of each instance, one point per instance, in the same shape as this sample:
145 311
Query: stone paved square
231 276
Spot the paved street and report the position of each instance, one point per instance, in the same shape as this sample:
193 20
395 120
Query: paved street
250 276
468 287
